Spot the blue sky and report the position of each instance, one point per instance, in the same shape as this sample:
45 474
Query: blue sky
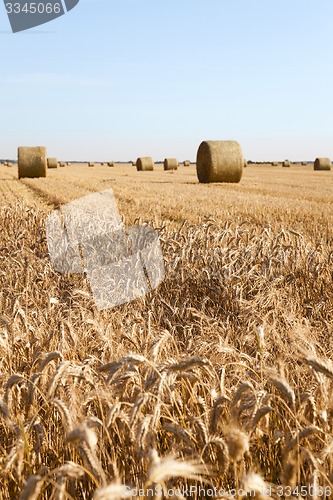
118 79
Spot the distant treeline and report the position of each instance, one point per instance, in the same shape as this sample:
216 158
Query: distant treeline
270 161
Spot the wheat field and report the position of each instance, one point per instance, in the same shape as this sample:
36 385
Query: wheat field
220 379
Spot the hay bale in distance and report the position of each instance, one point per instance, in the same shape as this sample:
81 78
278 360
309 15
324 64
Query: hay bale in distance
133 163
91 164
62 164
187 163
219 161
322 164
110 164
145 164
274 163
170 164
9 164
304 162
286 163
245 163
52 163
68 163
32 162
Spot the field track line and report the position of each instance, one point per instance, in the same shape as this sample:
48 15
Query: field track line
13 191
55 192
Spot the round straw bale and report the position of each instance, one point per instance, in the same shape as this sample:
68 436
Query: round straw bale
9 164
245 163
187 163
110 164
32 162
304 162
286 163
102 163
68 163
133 163
52 163
62 164
275 163
322 164
91 164
219 161
170 164
144 164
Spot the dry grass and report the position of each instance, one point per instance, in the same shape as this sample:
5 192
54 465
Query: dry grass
221 377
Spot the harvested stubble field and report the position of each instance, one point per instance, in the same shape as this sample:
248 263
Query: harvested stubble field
226 366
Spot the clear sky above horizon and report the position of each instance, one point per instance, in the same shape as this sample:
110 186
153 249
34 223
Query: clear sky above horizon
118 79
